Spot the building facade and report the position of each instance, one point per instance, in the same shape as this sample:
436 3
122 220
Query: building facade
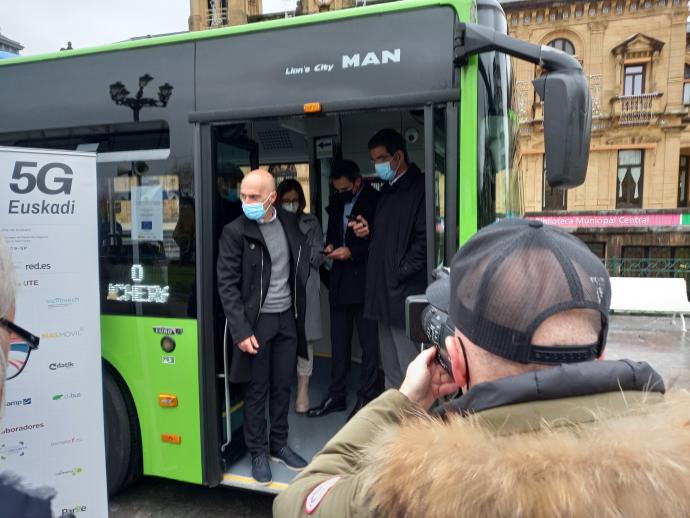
633 208
9 46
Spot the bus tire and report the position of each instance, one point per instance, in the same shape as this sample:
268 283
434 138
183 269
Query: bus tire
122 436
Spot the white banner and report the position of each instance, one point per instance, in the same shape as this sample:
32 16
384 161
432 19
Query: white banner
52 431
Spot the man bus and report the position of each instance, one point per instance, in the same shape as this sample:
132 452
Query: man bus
167 116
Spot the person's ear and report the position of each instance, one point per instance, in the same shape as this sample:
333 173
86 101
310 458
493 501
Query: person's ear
457 360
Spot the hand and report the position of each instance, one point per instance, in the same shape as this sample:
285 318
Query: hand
249 345
341 253
426 381
328 249
359 226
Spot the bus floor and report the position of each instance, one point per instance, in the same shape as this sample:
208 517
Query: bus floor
307 435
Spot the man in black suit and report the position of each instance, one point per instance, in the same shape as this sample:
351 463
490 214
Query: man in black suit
353 197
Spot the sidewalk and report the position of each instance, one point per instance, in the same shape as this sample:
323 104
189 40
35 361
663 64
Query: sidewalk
653 339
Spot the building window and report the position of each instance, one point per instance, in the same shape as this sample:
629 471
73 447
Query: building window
527 19
578 11
564 45
633 7
598 248
683 181
686 86
592 11
619 8
629 179
553 198
540 17
633 83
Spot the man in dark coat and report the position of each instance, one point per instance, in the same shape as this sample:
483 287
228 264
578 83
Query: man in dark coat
346 289
397 253
263 265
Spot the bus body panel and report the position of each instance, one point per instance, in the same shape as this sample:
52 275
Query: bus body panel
132 345
216 70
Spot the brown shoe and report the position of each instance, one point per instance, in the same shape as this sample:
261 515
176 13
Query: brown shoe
302 401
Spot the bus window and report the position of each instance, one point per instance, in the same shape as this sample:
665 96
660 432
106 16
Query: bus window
146 222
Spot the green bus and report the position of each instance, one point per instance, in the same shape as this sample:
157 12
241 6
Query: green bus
290 95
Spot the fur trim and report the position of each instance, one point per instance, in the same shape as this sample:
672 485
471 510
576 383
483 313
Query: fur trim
637 464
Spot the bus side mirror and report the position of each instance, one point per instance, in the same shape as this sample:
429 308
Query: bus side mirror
563 88
567 126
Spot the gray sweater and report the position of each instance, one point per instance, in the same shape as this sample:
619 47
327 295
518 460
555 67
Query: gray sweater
278 298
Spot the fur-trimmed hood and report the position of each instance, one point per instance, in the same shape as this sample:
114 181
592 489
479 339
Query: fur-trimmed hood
634 464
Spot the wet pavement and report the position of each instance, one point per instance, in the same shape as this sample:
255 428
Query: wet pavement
656 340
643 338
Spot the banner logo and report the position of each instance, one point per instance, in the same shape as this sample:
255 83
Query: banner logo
62 302
70 333
19 402
61 365
17 449
66 396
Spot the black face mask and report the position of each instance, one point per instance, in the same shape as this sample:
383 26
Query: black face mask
344 196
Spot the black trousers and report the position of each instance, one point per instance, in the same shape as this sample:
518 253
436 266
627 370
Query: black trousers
343 320
273 371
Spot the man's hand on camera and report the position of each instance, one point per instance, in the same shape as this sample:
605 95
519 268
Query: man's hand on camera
426 381
249 345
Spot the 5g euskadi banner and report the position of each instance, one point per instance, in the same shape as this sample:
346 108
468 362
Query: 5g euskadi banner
52 432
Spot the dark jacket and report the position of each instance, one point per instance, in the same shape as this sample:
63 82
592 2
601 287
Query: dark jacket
397 253
15 502
348 278
244 273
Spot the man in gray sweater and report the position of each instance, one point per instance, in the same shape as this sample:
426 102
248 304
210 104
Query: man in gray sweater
263 265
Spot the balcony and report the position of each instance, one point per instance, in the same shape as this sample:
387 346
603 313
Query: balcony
635 110
217 17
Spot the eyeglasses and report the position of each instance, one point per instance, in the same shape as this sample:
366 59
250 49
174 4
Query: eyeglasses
22 343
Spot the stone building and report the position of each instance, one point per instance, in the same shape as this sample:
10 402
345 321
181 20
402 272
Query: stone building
634 204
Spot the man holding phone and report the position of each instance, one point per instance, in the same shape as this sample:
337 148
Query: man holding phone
349 253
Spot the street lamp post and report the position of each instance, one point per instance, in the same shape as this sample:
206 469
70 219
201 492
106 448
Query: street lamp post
119 95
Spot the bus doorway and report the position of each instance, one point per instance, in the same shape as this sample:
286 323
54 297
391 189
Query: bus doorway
303 148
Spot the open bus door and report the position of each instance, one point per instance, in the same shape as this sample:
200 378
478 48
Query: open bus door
298 140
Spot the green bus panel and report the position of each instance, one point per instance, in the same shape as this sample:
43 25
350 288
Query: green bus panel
132 345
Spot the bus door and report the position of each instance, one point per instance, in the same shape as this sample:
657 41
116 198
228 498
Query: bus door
304 148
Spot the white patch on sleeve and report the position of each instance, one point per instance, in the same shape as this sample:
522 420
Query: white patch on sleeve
318 493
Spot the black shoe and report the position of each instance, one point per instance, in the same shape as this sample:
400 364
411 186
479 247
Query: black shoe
327 406
289 458
361 403
261 471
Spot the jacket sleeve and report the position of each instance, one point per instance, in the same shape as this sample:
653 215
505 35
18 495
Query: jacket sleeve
315 241
229 270
342 457
331 231
414 259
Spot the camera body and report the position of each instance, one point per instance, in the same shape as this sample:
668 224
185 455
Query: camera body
429 325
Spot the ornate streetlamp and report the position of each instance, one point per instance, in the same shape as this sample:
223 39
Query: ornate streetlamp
119 95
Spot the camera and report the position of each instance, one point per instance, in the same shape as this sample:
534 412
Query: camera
429 325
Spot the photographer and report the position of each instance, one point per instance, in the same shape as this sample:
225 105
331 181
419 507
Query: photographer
542 430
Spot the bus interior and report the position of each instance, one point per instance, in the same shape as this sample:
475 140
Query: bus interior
304 148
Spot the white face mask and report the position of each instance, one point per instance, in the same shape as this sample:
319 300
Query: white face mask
291 206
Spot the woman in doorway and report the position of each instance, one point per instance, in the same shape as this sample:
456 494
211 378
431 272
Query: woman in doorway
291 198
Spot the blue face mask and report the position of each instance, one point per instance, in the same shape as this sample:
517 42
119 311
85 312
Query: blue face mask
384 171
255 211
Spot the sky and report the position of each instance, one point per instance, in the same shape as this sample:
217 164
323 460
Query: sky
47 25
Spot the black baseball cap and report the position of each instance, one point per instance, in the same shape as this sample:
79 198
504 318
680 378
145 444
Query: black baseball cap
513 275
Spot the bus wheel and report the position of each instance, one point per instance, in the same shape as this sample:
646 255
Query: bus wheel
122 436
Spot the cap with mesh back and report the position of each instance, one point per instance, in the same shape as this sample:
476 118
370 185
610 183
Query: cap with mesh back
513 275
